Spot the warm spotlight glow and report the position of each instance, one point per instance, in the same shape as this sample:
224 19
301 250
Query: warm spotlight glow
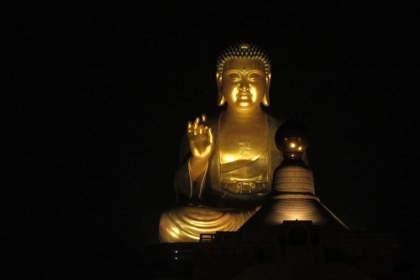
175 232
300 148
229 158
292 145
298 216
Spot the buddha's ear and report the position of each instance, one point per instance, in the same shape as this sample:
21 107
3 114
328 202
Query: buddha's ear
220 99
266 98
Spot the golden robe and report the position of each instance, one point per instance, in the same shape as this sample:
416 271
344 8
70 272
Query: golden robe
224 197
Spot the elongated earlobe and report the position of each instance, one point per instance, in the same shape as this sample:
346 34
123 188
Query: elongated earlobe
220 98
266 99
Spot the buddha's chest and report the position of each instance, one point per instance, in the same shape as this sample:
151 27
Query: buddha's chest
242 142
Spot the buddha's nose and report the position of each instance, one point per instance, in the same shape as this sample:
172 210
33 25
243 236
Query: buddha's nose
244 87
244 90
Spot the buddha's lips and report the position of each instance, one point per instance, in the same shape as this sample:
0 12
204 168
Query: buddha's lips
244 95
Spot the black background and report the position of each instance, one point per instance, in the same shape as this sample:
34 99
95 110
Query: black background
97 97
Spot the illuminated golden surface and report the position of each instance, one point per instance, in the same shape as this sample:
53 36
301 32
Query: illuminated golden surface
226 162
244 84
186 223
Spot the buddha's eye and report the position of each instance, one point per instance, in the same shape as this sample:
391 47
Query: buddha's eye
234 77
254 77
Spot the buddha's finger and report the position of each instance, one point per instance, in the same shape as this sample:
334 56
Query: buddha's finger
201 127
203 118
196 122
189 127
206 130
210 135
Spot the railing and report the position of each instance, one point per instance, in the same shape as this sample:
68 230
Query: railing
235 238
207 238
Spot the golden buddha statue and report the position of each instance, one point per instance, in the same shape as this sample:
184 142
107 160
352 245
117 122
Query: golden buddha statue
227 163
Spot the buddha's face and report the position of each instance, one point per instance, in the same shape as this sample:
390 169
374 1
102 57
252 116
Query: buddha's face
244 83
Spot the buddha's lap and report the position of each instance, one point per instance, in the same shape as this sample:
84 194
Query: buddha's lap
186 223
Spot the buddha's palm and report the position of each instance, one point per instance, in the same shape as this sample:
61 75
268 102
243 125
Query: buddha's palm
201 140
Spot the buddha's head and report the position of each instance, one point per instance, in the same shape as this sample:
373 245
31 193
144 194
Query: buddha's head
243 77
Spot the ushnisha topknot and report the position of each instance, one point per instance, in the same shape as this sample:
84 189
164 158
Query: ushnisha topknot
243 51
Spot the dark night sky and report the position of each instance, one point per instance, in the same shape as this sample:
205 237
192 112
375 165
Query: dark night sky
98 98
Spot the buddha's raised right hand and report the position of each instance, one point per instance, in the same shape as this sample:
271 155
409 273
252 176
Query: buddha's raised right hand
201 144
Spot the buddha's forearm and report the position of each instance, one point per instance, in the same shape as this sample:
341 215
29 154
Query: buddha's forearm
197 167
